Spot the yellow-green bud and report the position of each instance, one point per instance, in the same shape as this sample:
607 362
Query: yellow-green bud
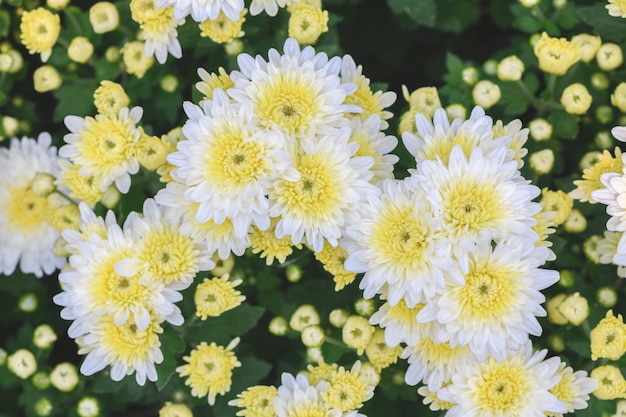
28 302
234 47
490 67
10 125
6 62
607 297
470 75
43 407
559 4
600 81
603 140
364 307
41 380
112 54
60 247
80 49
542 161
485 94
510 68
22 363
111 197
575 222
17 63
588 46
556 343
369 374
575 308
3 356
357 333
554 315
278 326
170 409
104 17
338 317
169 83
44 336
609 56
43 184
305 315
64 377
540 129
604 114
222 266
529 3
618 98
588 160
312 336
293 273
567 279
590 247
88 407
576 99
46 78
314 354
57 4
456 111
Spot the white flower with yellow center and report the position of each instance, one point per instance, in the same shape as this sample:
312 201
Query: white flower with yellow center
201 10
298 93
162 252
297 398
374 143
479 198
214 237
400 323
104 146
613 195
332 185
89 223
496 307
158 29
394 241
93 287
125 347
573 389
435 140
517 386
229 163
26 237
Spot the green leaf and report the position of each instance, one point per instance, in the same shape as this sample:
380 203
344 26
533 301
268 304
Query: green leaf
457 15
580 347
74 98
564 125
172 345
423 12
224 328
455 67
608 27
5 23
567 17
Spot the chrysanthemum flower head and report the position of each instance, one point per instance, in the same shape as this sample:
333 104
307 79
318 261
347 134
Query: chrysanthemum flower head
590 181
210 82
555 55
608 338
217 295
39 31
201 10
104 146
256 401
297 397
222 29
170 409
152 151
26 236
588 45
379 353
209 369
400 323
332 259
269 246
109 98
136 61
611 383
347 390
375 144
573 389
357 333
158 29
85 188
307 22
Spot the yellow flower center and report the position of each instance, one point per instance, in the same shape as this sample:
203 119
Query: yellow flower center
346 391
502 388
307 409
470 207
25 210
170 255
234 160
403 314
126 342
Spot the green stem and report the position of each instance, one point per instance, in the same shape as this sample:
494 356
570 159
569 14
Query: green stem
73 22
67 197
536 102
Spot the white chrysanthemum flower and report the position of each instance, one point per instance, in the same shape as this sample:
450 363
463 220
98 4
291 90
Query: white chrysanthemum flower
394 241
518 136
104 146
269 6
125 347
93 287
201 10
158 29
332 185
400 323
162 252
298 93
434 363
372 142
495 308
297 398
435 140
89 223
215 237
573 389
613 195
229 163
479 198
518 386
26 237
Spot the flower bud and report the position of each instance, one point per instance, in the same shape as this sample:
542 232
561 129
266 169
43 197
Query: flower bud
456 111
222 266
293 273
609 56
170 409
604 114
618 98
57 4
576 99
575 308
315 355
278 326
338 317
17 63
540 129
44 336
600 81
64 377
542 161
554 315
112 54
234 47
22 363
41 380
364 307
111 197
490 67
6 62
575 222
305 315
43 184
567 279
556 343
610 382
104 17
169 83
28 302
603 140
470 75
3 356
529 3
10 125
559 4
485 94
43 407
555 55
312 336
80 49
357 333
46 78
88 407
606 296
510 68
588 45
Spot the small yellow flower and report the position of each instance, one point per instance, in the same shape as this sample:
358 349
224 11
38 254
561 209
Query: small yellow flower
556 55
357 333
46 78
222 29
379 353
591 176
304 316
609 56
424 100
256 401
486 93
575 308
588 45
170 409
332 259
347 390
212 81
135 59
109 98
618 98
608 338
307 22
61 217
151 151
80 49
209 369
44 336
88 407
611 384
576 99
40 30
559 202
104 17
269 246
217 295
